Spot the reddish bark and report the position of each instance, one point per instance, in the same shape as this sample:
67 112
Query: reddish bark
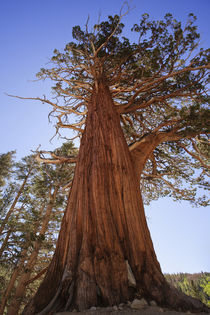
103 227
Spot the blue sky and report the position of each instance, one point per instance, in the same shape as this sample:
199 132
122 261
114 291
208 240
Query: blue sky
29 32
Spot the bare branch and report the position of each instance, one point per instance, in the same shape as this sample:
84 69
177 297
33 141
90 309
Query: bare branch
195 156
37 276
154 164
169 184
142 87
67 186
55 158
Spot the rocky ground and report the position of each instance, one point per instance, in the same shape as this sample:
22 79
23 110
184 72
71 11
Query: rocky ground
137 307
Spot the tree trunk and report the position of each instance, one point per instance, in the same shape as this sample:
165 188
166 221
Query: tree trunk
104 226
4 244
12 280
17 270
12 208
24 278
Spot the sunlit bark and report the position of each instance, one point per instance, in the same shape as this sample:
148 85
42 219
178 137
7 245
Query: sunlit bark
104 226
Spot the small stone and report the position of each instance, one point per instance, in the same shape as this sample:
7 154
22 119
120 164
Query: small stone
120 308
115 308
121 304
74 310
93 308
131 278
160 309
188 312
153 303
138 304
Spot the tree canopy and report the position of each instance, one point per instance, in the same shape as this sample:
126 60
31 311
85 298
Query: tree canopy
159 85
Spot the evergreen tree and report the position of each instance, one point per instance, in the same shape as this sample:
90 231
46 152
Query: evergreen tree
6 165
141 109
6 168
30 238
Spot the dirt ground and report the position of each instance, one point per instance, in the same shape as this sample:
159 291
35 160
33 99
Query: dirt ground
127 311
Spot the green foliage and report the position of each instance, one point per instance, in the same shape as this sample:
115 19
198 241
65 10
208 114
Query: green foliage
205 284
195 285
159 85
22 232
6 165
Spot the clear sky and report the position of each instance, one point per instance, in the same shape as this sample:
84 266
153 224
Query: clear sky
29 32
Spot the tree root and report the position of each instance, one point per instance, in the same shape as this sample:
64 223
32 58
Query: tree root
181 302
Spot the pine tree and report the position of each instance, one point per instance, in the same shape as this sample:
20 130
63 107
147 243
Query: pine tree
31 231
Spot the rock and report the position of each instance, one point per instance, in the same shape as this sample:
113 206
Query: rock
93 308
138 304
153 303
115 308
122 304
188 312
120 308
131 278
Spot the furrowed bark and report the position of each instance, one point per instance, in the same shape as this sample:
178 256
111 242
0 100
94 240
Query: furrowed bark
104 226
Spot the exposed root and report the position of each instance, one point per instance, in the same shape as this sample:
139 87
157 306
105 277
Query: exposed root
179 301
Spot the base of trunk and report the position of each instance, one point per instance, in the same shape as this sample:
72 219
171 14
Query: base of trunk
104 227
179 301
83 293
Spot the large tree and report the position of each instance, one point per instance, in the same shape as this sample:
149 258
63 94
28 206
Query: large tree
140 108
